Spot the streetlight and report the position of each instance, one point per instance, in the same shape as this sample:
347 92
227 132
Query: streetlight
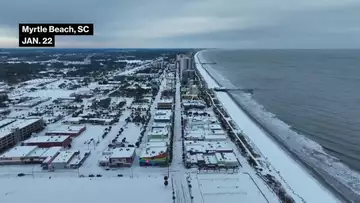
32 171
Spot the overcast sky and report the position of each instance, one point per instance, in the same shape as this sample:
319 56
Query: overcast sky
192 23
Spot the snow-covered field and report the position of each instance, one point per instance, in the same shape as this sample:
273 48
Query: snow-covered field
94 190
295 175
229 188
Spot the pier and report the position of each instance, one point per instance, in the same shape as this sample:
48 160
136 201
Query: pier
225 89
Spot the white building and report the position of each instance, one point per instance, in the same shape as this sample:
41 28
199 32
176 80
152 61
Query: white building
122 156
63 159
184 63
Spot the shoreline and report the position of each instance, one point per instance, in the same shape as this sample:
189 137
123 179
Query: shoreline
305 166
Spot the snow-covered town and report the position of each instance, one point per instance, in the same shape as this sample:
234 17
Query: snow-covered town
156 131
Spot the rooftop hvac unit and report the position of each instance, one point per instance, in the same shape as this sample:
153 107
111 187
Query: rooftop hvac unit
15 129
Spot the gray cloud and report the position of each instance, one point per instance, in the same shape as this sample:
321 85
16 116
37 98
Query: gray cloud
193 23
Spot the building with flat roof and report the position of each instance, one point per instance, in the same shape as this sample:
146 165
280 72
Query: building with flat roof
50 155
155 154
165 104
159 133
217 160
16 154
207 147
28 154
118 157
13 131
33 102
163 116
63 159
193 104
73 130
49 141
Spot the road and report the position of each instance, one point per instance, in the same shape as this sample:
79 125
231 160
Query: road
177 167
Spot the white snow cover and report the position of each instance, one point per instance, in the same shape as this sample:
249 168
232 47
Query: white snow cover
292 172
229 188
96 190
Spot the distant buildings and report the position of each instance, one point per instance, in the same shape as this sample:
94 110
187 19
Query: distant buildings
82 94
165 104
72 131
193 104
163 116
33 102
95 121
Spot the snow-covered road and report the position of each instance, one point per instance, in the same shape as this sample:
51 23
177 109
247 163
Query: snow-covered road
293 173
177 162
177 166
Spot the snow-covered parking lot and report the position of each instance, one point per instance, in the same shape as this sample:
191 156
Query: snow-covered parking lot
214 188
95 190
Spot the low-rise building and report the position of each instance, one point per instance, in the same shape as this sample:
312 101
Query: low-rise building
73 131
49 141
32 102
82 94
50 155
63 159
193 104
207 147
215 160
118 157
95 121
16 154
165 104
163 116
154 154
159 133
79 159
28 155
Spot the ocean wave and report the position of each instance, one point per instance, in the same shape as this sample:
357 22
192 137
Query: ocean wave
336 173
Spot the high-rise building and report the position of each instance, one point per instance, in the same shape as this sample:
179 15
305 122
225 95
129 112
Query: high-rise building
184 63
187 75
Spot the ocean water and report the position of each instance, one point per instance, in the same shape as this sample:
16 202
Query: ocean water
314 92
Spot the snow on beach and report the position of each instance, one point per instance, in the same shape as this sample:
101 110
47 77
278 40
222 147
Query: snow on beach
334 171
295 175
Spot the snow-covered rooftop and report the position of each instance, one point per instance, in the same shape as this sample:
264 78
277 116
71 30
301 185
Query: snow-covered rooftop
204 146
154 149
44 139
67 129
20 123
19 151
122 152
64 156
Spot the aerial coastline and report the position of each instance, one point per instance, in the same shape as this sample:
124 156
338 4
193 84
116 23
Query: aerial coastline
342 193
